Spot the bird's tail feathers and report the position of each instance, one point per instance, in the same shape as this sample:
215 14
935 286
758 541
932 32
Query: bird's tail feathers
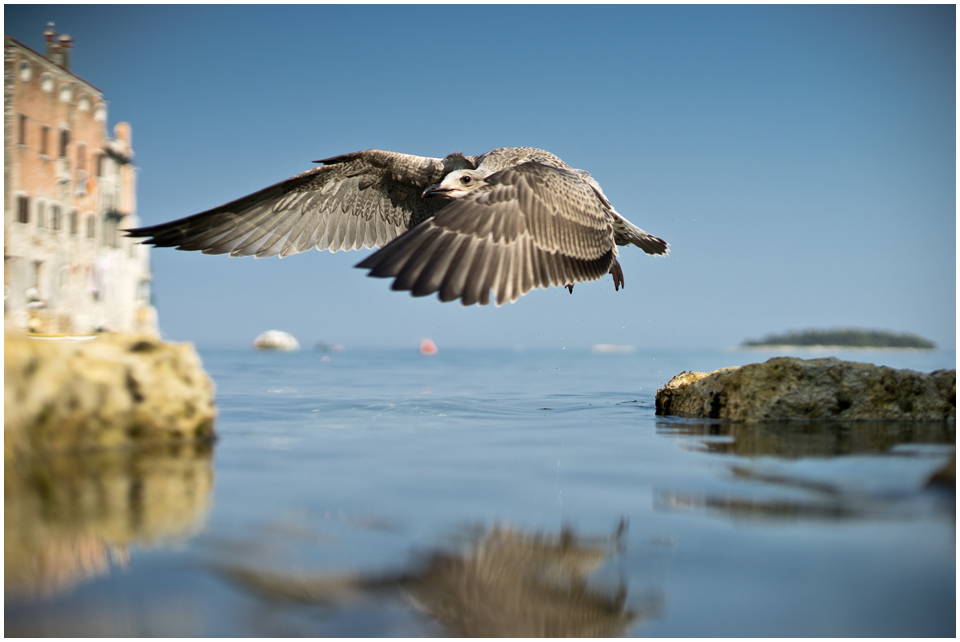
626 232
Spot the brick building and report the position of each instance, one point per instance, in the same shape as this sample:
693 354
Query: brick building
68 189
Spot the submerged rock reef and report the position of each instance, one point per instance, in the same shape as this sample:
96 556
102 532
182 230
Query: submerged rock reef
788 388
113 390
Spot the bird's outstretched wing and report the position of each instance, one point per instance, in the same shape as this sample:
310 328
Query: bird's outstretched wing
531 226
364 199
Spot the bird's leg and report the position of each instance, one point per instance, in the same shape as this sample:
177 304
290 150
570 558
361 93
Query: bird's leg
570 288
617 275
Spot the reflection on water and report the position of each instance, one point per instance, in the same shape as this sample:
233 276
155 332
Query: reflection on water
501 582
811 439
338 502
69 517
824 470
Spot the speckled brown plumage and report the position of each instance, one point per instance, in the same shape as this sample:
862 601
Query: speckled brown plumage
527 220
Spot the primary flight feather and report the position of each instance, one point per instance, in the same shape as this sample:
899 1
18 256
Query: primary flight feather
508 221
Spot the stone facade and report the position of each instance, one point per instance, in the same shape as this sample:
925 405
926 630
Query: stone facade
69 188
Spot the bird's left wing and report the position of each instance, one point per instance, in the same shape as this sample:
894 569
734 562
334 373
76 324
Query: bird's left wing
531 226
363 199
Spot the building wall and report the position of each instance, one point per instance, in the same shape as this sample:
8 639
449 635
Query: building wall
67 268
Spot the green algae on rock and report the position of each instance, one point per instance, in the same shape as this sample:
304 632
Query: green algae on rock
788 388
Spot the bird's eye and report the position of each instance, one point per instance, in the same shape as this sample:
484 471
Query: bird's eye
465 180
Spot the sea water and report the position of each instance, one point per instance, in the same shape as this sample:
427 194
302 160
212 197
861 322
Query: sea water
496 492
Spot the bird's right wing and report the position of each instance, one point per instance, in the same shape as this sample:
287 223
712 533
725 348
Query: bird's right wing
531 226
363 199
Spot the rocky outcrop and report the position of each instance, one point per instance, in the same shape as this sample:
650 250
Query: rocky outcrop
276 340
787 388
114 390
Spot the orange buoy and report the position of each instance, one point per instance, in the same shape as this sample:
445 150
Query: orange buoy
428 347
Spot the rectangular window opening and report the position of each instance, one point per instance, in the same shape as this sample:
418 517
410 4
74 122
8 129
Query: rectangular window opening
23 205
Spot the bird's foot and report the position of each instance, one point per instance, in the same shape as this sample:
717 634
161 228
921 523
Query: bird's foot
570 288
617 275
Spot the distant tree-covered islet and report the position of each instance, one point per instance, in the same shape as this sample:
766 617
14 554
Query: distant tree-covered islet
845 337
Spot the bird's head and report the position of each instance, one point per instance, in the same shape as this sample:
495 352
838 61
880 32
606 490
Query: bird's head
457 184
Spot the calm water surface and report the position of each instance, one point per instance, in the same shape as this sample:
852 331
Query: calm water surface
488 493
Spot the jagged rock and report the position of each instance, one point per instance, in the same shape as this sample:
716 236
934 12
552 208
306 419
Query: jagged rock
114 390
787 388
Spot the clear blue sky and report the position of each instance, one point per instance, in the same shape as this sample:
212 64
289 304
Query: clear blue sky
800 160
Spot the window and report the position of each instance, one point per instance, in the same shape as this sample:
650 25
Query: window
110 231
23 206
55 217
100 112
25 71
46 82
44 133
99 164
22 135
40 213
83 104
92 227
81 156
73 223
66 93
64 142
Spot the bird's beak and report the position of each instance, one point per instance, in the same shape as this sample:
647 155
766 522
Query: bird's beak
435 190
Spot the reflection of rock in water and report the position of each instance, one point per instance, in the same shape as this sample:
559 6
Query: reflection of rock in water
751 508
505 583
946 476
815 438
66 517
825 496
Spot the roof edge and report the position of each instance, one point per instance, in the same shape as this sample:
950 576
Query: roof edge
50 62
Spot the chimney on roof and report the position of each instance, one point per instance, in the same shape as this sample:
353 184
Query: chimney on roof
66 44
51 37
58 47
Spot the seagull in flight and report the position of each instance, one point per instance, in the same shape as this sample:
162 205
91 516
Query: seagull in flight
507 222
